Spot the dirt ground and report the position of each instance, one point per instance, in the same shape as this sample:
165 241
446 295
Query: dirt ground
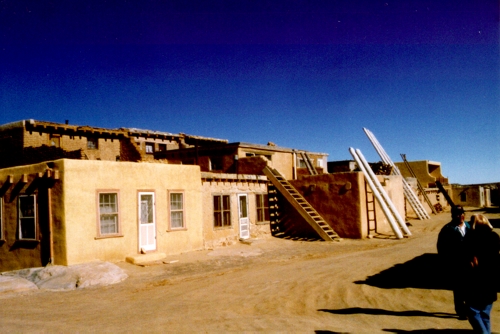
273 285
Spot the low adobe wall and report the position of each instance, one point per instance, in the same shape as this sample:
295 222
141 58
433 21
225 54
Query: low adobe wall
340 199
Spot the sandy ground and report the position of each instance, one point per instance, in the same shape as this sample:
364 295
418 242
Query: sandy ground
272 285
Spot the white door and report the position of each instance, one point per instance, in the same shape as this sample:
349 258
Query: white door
147 223
243 216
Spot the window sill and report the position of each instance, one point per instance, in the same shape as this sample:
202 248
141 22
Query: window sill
108 236
223 228
177 229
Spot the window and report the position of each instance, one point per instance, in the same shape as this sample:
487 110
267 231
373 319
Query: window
216 163
27 217
302 163
176 210
463 196
222 211
92 143
262 207
55 140
162 147
108 214
150 148
319 163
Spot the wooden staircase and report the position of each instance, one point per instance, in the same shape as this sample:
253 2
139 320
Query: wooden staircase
303 207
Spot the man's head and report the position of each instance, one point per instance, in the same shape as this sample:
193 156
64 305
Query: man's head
457 212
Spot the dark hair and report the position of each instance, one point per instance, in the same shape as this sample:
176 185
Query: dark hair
457 210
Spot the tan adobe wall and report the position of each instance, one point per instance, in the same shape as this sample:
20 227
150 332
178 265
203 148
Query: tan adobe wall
18 254
340 199
433 194
252 165
225 236
426 172
107 149
81 181
474 195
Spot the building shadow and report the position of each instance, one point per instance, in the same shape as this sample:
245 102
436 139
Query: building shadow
377 311
389 330
423 272
430 330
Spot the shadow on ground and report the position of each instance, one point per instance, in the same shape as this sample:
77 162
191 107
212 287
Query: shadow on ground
377 311
430 330
411 313
423 272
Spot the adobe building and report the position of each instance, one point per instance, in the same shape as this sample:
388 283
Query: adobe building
475 195
30 141
246 158
79 194
427 173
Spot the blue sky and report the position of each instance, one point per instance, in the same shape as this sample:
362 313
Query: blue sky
423 76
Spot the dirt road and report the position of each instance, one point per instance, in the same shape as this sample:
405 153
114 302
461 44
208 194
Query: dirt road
353 286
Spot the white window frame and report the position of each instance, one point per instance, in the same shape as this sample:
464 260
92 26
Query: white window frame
176 210
21 215
149 147
101 212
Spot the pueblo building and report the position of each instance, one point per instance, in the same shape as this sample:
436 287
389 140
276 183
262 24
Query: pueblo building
71 194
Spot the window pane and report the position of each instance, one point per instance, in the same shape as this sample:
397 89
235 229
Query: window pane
26 206
108 211
217 219
217 205
146 209
27 228
27 220
109 224
176 219
225 200
176 201
227 218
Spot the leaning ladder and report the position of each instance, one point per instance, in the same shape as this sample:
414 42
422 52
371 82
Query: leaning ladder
381 195
308 163
408 192
311 216
420 187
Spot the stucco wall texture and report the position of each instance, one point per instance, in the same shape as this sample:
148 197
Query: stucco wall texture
224 236
82 180
340 199
74 205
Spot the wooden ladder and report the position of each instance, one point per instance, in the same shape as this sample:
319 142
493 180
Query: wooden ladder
309 164
303 207
370 210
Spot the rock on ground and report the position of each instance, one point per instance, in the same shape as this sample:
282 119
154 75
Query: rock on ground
97 273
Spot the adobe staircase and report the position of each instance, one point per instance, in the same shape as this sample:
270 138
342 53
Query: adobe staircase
321 227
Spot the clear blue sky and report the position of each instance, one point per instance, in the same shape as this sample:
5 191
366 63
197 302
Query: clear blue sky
422 75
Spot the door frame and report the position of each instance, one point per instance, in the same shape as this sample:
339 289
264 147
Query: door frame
150 246
243 234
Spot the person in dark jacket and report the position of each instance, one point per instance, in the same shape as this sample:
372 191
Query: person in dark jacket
451 250
483 247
